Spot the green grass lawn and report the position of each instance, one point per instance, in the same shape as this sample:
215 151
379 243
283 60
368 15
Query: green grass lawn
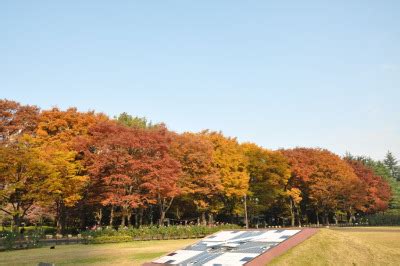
343 246
347 246
131 253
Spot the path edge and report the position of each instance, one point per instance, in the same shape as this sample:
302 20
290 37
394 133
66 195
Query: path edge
281 248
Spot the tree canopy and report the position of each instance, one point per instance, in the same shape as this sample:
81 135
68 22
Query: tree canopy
82 168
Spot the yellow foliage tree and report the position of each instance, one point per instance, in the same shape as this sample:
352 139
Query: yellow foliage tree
269 173
231 163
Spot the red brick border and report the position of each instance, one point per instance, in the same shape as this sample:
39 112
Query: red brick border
282 247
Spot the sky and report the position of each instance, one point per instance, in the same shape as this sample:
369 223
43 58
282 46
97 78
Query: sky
278 73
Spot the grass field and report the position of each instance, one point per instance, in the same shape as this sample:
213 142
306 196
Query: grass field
347 246
131 253
344 246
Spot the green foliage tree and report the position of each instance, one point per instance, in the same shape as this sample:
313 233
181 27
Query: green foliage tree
391 163
269 173
380 169
133 121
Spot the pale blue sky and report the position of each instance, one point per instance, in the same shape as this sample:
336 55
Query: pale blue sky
298 73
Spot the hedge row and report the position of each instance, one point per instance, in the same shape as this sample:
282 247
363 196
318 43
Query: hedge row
10 240
107 235
384 219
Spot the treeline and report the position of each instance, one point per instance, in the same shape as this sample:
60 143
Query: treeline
83 169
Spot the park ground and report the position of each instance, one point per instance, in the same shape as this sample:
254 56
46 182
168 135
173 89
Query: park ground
342 246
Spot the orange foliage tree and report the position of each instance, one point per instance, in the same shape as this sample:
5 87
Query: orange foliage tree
132 167
200 182
16 120
58 130
79 163
328 184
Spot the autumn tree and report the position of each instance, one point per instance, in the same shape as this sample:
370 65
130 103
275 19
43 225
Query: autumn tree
132 166
68 164
162 171
269 173
16 120
324 180
231 164
58 131
64 182
65 126
110 158
200 182
378 190
381 170
22 173
20 166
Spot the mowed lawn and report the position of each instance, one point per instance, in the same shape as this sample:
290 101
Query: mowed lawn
131 253
346 246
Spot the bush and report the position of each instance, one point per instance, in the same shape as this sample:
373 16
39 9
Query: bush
30 239
45 230
109 239
383 219
8 239
108 235
33 238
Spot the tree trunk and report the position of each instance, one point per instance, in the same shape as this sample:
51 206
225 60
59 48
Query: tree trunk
99 216
141 210
129 217
112 216
16 222
298 216
136 219
124 212
326 219
123 217
350 215
151 215
246 219
210 219
162 218
203 219
60 217
317 218
292 218
82 215
164 206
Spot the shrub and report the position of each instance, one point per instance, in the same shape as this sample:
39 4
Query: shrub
383 219
151 232
8 239
109 239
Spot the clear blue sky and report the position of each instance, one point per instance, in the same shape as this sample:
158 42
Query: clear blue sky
283 74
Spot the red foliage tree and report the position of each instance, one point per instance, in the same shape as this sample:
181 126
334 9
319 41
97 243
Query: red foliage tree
328 182
16 119
131 167
378 190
